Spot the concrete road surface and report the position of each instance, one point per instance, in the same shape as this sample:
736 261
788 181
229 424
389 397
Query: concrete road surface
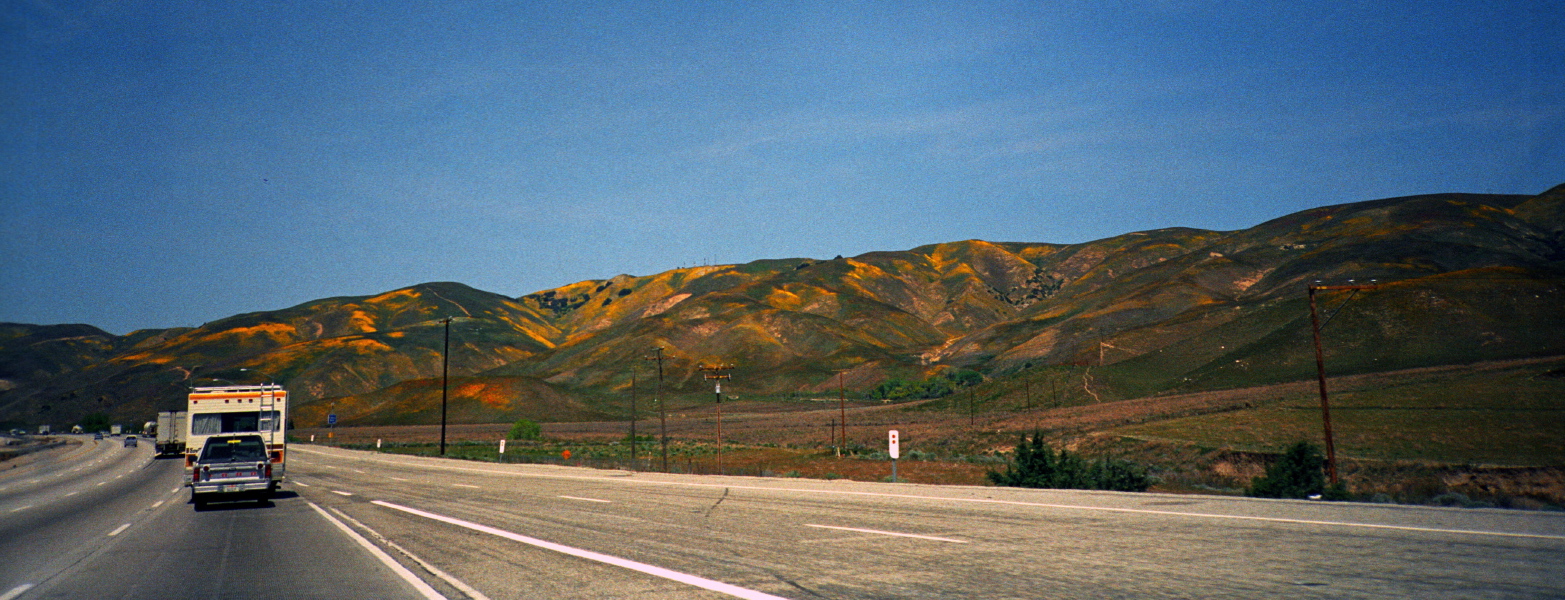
526 531
101 521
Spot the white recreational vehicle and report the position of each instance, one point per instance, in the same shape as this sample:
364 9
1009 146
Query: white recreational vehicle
258 409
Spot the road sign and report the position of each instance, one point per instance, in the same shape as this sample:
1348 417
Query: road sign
896 452
331 419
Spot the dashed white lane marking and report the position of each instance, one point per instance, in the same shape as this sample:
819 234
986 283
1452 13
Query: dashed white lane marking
385 559
395 478
16 591
117 530
341 493
586 499
68 494
301 484
879 532
700 582
21 508
157 504
464 485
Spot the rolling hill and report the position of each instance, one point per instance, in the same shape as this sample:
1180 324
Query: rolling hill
1461 278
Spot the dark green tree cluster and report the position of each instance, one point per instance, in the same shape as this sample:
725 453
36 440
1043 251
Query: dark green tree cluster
95 422
1036 465
1298 473
935 387
524 429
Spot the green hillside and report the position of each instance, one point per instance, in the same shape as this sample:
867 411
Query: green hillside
1461 278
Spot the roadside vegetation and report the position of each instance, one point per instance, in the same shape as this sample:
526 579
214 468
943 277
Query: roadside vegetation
1036 464
1415 437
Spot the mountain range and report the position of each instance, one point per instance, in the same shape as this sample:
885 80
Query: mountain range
1447 278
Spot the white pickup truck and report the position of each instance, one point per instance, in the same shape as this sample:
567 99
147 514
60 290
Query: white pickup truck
232 467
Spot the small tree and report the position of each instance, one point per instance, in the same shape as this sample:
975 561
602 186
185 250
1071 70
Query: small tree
524 429
1297 474
1036 465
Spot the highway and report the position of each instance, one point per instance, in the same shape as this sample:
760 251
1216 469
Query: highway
104 521
364 525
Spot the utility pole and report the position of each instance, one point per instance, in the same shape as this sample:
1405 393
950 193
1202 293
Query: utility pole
662 410
445 372
972 410
633 414
1320 365
715 373
842 403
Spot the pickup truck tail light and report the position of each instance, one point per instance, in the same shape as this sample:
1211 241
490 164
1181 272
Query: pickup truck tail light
268 470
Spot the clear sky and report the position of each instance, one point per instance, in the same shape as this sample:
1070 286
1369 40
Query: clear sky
170 163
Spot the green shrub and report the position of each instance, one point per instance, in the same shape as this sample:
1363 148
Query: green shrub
1297 474
1036 465
524 429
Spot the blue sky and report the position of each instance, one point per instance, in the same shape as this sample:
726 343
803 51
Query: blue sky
170 163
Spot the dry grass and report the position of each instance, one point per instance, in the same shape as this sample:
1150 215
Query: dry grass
1411 436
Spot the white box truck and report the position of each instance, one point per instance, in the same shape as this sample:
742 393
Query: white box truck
171 432
239 409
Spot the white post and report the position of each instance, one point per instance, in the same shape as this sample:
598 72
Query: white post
895 452
502 445
377 443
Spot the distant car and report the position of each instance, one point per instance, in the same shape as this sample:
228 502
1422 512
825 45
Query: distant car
98 435
232 467
130 442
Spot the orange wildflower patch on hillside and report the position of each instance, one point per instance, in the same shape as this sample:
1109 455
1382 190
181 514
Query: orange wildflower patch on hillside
784 299
493 396
362 321
277 332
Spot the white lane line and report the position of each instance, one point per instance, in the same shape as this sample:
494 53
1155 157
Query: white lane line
341 493
100 483
464 485
1143 511
16 591
301 484
879 532
157 504
587 499
69 494
357 471
473 594
395 478
21 508
403 572
117 530
700 582
175 490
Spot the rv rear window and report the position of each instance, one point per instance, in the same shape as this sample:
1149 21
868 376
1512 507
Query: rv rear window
234 422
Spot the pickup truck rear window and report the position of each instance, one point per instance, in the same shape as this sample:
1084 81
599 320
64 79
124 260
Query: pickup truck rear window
227 450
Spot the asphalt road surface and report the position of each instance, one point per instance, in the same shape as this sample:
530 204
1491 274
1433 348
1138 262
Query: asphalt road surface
476 530
104 521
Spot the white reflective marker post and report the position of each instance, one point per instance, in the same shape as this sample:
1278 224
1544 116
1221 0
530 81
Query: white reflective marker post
895 454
